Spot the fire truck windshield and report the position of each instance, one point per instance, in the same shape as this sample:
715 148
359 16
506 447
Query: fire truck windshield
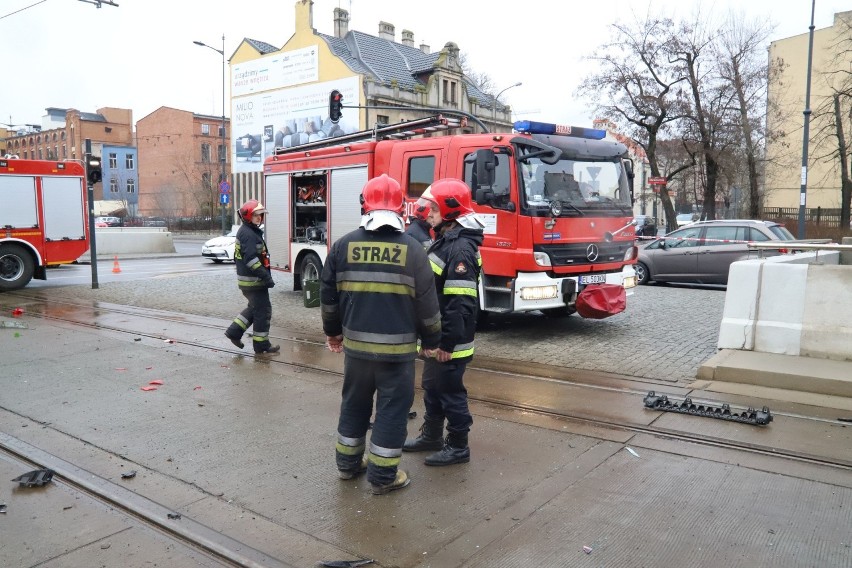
585 187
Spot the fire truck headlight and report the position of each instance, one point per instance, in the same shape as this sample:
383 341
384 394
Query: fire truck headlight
539 292
631 253
541 258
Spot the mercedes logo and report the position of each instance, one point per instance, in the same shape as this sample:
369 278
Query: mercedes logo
592 252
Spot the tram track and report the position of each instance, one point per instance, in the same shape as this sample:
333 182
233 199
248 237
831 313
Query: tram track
556 377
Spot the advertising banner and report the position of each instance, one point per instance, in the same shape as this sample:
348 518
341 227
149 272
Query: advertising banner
287 117
278 71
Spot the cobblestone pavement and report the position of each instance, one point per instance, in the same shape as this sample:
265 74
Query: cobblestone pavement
665 333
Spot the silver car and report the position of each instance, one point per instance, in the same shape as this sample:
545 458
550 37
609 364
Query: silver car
702 252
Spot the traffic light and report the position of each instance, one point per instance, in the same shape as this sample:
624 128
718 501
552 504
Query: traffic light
335 106
94 173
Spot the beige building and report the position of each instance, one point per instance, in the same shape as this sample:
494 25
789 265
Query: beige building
280 96
784 156
179 163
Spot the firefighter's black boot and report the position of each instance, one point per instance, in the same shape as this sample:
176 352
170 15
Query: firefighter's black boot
430 438
455 450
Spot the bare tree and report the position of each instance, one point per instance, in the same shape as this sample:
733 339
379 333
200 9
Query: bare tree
638 83
739 51
482 81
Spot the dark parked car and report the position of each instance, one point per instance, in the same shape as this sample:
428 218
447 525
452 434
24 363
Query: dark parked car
646 226
702 252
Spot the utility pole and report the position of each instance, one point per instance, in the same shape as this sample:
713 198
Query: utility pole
803 193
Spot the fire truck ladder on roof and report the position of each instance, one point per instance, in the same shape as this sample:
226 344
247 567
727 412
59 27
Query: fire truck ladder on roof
400 131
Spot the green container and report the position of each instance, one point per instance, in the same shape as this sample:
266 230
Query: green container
311 288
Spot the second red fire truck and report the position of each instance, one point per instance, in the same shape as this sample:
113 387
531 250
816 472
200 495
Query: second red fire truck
556 202
43 218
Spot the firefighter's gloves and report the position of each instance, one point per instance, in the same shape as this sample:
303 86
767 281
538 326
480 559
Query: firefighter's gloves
334 343
269 282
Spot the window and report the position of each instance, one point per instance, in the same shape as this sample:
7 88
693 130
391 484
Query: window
221 152
221 132
205 181
64 152
453 89
40 154
205 153
685 238
128 161
113 185
113 160
205 129
757 235
501 187
421 174
131 185
720 236
382 120
446 91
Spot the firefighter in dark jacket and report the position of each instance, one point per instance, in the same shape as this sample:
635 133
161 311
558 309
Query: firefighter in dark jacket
455 261
377 297
254 280
419 226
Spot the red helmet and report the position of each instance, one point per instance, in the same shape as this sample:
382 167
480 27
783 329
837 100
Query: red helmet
423 205
382 193
452 197
249 208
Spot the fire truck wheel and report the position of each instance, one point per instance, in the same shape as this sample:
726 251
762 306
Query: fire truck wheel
16 267
311 268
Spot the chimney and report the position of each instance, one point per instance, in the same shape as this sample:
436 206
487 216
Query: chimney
424 48
341 22
305 15
387 31
408 38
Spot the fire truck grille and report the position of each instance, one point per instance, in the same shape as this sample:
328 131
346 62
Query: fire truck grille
585 253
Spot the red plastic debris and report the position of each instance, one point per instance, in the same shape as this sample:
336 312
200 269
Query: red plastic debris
121 368
148 368
168 340
197 388
17 312
149 388
156 382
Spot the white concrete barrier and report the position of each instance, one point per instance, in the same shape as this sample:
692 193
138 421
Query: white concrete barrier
798 304
133 240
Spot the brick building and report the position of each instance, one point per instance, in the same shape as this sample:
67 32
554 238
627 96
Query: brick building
62 134
179 163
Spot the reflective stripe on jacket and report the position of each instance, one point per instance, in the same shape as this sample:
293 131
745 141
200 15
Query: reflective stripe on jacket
378 292
456 264
251 257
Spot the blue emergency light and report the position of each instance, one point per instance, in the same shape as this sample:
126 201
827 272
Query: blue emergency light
532 127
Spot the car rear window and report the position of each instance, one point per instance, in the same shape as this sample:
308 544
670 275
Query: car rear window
781 232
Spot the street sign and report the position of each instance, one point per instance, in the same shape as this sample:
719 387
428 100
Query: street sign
657 181
225 187
224 198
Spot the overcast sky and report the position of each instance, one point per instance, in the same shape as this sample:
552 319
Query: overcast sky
140 55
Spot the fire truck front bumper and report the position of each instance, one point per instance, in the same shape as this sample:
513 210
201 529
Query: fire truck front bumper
539 291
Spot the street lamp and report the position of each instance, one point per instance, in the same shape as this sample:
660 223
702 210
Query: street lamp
803 190
494 103
223 157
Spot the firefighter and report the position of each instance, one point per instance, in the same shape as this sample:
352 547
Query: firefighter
254 279
419 227
455 261
377 296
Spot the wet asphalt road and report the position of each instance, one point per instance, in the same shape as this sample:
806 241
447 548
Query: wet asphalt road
665 333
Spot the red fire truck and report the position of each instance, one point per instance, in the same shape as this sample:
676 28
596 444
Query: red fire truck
556 202
43 218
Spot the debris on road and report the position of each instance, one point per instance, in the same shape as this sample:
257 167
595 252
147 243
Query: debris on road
128 474
750 416
35 478
632 451
587 549
344 563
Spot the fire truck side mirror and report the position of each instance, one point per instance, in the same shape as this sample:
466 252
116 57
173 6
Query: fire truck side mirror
335 106
94 173
484 168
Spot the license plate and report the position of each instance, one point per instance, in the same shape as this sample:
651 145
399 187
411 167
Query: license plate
593 279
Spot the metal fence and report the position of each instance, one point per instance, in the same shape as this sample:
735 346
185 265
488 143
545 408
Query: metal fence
817 215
